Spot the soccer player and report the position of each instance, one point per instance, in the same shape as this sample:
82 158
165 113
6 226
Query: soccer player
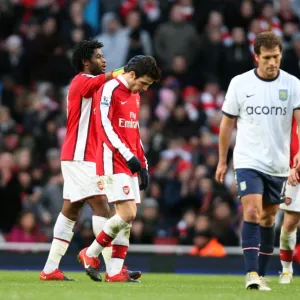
120 156
78 158
263 101
291 220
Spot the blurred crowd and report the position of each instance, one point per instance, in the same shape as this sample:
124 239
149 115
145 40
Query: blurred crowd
199 45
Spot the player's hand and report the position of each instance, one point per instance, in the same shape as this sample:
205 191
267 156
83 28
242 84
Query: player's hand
115 73
293 177
134 165
221 172
144 176
296 161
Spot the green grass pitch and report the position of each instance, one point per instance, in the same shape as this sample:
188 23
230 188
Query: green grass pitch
26 285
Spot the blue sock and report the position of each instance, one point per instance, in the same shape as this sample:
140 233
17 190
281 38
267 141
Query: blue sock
250 245
266 248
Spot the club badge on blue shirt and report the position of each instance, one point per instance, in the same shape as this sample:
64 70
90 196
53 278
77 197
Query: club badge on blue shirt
283 95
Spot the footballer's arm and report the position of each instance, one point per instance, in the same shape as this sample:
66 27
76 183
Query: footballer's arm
113 138
91 84
227 125
296 164
143 174
140 150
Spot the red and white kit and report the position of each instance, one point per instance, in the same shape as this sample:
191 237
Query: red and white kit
78 157
292 193
117 115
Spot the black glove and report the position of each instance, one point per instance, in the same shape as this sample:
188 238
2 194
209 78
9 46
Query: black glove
134 165
144 176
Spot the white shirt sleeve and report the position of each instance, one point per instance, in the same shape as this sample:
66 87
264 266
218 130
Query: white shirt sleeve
112 136
296 99
231 106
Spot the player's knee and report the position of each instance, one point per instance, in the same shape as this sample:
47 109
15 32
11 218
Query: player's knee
71 212
290 227
101 210
74 214
252 214
130 216
268 217
290 223
99 206
267 221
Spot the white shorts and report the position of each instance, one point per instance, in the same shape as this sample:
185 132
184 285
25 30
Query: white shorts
120 187
292 198
79 180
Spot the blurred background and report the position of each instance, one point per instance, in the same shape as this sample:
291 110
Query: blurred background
199 45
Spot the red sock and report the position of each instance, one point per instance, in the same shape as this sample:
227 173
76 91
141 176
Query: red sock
104 239
286 255
119 251
297 254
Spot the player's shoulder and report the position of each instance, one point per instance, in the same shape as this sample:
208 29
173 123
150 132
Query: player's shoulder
83 76
111 85
243 79
289 77
80 78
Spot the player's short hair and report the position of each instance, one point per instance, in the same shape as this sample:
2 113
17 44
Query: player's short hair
268 40
143 65
84 51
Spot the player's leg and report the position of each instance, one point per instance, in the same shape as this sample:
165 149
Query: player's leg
252 208
78 185
125 213
288 238
122 241
119 190
267 239
250 188
117 265
100 207
273 193
62 236
101 212
288 235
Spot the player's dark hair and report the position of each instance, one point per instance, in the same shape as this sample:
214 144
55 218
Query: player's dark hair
268 40
143 65
84 51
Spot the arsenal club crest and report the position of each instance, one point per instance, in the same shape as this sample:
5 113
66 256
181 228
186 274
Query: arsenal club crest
288 201
126 189
100 184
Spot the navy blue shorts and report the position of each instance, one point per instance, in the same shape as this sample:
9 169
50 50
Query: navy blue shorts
251 181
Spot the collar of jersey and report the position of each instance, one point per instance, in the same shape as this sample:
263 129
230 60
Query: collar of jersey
264 79
122 79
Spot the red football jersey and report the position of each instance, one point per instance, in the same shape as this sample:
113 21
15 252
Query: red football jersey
294 142
117 115
81 136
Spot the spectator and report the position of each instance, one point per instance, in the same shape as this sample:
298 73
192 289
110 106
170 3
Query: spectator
10 193
139 39
27 230
207 245
14 61
236 58
43 47
76 21
7 124
175 37
115 40
291 58
152 14
185 227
